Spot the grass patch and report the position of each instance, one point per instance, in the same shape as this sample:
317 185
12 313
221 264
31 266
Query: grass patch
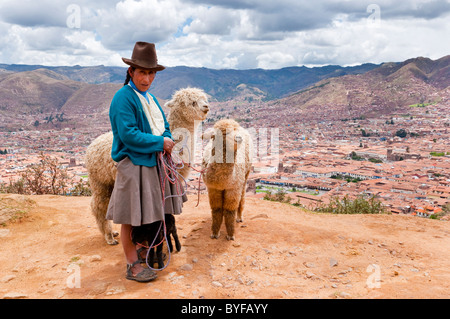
421 104
12 209
360 205
439 153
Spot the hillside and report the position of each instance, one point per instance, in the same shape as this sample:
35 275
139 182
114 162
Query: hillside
280 252
35 99
34 92
384 90
28 99
91 74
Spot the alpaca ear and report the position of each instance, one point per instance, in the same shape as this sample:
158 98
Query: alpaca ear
170 103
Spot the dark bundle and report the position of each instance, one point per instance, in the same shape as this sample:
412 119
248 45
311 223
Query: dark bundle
154 233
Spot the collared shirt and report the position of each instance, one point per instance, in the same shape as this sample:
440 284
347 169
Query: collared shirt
152 112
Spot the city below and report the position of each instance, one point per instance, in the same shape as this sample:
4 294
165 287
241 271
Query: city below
403 160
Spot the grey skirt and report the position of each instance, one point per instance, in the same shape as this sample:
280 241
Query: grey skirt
137 196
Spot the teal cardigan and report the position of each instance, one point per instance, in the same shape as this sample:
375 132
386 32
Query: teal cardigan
133 136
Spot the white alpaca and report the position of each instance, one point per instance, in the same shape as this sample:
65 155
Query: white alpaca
188 108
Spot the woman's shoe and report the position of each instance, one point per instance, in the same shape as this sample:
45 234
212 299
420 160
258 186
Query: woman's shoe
145 275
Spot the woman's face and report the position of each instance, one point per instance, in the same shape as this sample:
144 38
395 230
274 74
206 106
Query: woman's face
142 78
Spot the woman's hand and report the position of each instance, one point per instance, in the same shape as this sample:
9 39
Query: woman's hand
168 145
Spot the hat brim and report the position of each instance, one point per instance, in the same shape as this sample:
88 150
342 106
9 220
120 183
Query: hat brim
141 65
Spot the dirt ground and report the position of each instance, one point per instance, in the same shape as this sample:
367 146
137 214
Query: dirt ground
52 249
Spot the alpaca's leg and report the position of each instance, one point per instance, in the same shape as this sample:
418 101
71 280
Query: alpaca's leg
159 256
99 206
176 239
169 243
232 198
217 217
151 258
215 201
230 216
239 217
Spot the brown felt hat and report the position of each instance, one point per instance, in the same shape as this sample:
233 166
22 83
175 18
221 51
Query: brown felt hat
144 57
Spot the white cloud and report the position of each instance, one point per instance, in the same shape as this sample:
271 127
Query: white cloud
213 20
148 20
391 40
223 33
33 13
54 46
275 60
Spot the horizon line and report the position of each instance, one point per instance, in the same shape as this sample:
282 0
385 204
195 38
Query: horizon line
203 67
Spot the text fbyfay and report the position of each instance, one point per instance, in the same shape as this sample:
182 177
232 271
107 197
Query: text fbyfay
241 308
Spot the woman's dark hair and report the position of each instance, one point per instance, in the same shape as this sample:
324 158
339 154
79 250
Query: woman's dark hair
128 78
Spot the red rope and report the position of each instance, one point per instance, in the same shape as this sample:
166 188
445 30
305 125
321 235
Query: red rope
199 181
168 166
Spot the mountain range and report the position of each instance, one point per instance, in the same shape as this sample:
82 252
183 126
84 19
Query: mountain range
220 84
38 91
382 90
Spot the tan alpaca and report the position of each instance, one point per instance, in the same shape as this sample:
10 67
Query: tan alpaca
188 108
227 163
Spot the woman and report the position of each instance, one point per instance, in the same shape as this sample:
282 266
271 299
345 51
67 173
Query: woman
141 132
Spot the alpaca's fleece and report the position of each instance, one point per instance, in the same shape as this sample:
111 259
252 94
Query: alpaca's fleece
188 108
227 164
102 175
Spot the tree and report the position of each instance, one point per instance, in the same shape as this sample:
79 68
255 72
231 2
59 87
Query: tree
280 196
355 157
45 177
59 117
401 133
49 119
364 133
359 205
375 160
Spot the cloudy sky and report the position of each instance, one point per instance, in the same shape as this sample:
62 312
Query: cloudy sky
238 34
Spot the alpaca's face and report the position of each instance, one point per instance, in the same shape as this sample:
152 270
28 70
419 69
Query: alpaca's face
232 139
190 103
199 106
226 141
228 138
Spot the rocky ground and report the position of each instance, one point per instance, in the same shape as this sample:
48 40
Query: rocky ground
51 248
